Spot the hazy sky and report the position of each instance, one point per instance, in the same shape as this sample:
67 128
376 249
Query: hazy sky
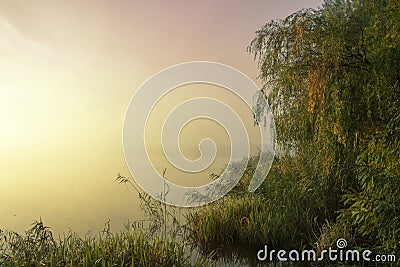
68 70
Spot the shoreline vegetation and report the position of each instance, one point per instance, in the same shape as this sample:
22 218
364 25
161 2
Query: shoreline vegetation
332 79
132 247
158 240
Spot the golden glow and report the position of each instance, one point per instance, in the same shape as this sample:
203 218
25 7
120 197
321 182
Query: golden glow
195 131
67 72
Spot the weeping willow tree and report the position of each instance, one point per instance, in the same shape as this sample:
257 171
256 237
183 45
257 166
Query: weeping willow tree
332 79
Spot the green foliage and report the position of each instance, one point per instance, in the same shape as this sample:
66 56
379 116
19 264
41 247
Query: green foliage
331 84
375 210
332 77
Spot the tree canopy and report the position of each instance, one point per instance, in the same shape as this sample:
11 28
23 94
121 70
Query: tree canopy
332 78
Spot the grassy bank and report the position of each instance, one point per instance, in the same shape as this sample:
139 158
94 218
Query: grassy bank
132 247
283 213
288 212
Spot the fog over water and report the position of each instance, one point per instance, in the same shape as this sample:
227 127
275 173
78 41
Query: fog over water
68 70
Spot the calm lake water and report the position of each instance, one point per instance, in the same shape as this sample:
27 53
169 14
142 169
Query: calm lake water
64 171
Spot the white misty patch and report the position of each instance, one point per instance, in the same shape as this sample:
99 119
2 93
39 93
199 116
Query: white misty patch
12 42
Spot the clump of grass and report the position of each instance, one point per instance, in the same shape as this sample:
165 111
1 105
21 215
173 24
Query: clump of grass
331 232
284 213
38 247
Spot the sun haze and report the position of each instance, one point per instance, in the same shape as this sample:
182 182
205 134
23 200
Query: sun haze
68 70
